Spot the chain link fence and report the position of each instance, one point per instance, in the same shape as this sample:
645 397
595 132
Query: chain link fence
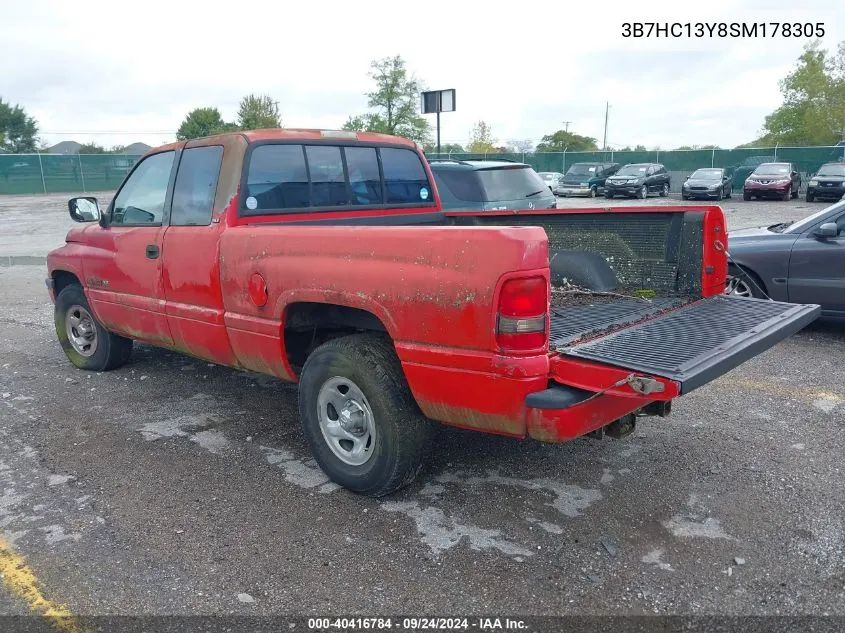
679 163
80 173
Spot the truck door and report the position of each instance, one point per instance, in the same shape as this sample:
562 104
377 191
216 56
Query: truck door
123 277
191 273
816 268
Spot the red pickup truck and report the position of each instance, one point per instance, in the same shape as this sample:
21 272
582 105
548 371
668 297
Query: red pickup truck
324 258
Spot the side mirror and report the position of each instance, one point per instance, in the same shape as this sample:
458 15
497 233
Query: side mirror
828 229
83 209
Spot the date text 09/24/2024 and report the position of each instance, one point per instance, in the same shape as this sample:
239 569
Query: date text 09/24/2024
417 624
722 29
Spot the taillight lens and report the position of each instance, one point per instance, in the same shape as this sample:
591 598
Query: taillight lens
522 314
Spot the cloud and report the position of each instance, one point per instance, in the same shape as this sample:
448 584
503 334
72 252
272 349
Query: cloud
107 72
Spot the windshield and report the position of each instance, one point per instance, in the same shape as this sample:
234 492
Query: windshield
801 225
510 183
772 169
707 174
832 170
581 169
632 170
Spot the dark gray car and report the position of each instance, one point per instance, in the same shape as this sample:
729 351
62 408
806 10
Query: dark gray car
707 182
490 185
798 262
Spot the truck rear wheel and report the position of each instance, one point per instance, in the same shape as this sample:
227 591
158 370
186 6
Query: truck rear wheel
359 417
86 343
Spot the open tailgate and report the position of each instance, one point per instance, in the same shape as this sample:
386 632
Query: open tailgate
697 342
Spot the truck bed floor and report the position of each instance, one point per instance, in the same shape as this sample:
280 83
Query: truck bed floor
571 324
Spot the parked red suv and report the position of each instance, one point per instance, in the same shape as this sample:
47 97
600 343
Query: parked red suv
773 180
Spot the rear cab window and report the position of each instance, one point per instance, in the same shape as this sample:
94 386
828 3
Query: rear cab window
311 177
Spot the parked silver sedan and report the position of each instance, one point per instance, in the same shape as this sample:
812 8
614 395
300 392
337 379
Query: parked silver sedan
554 179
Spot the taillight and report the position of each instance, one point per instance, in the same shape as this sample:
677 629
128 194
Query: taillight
522 314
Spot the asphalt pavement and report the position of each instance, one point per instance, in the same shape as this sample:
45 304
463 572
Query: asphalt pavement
172 486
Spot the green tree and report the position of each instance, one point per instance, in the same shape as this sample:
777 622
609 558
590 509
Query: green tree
117 149
519 146
481 139
394 103
258 112
813 109
18 131
689 147
203 122
569 141
91 148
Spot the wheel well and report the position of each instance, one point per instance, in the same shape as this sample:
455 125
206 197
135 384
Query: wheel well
309 325
750 273
62 279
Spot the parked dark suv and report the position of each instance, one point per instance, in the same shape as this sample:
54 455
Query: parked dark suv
828 182
587 179
638 180
490 185
772 180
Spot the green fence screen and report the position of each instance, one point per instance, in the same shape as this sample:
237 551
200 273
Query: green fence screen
62 173
80 173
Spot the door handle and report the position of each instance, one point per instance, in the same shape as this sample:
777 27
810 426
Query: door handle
152 251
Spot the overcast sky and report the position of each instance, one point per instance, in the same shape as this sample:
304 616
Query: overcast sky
88 70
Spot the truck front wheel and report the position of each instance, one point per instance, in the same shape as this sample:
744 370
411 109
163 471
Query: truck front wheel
359 417
86 343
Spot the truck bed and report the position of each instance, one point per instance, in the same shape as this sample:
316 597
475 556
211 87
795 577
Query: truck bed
674 337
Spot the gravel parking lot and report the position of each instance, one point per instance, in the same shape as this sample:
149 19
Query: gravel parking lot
172 486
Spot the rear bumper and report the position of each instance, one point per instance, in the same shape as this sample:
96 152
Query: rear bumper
523 407
574 191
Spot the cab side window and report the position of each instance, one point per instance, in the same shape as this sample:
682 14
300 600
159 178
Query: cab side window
196 184
140 201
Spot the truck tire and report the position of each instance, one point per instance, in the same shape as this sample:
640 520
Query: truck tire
86 343
358 415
